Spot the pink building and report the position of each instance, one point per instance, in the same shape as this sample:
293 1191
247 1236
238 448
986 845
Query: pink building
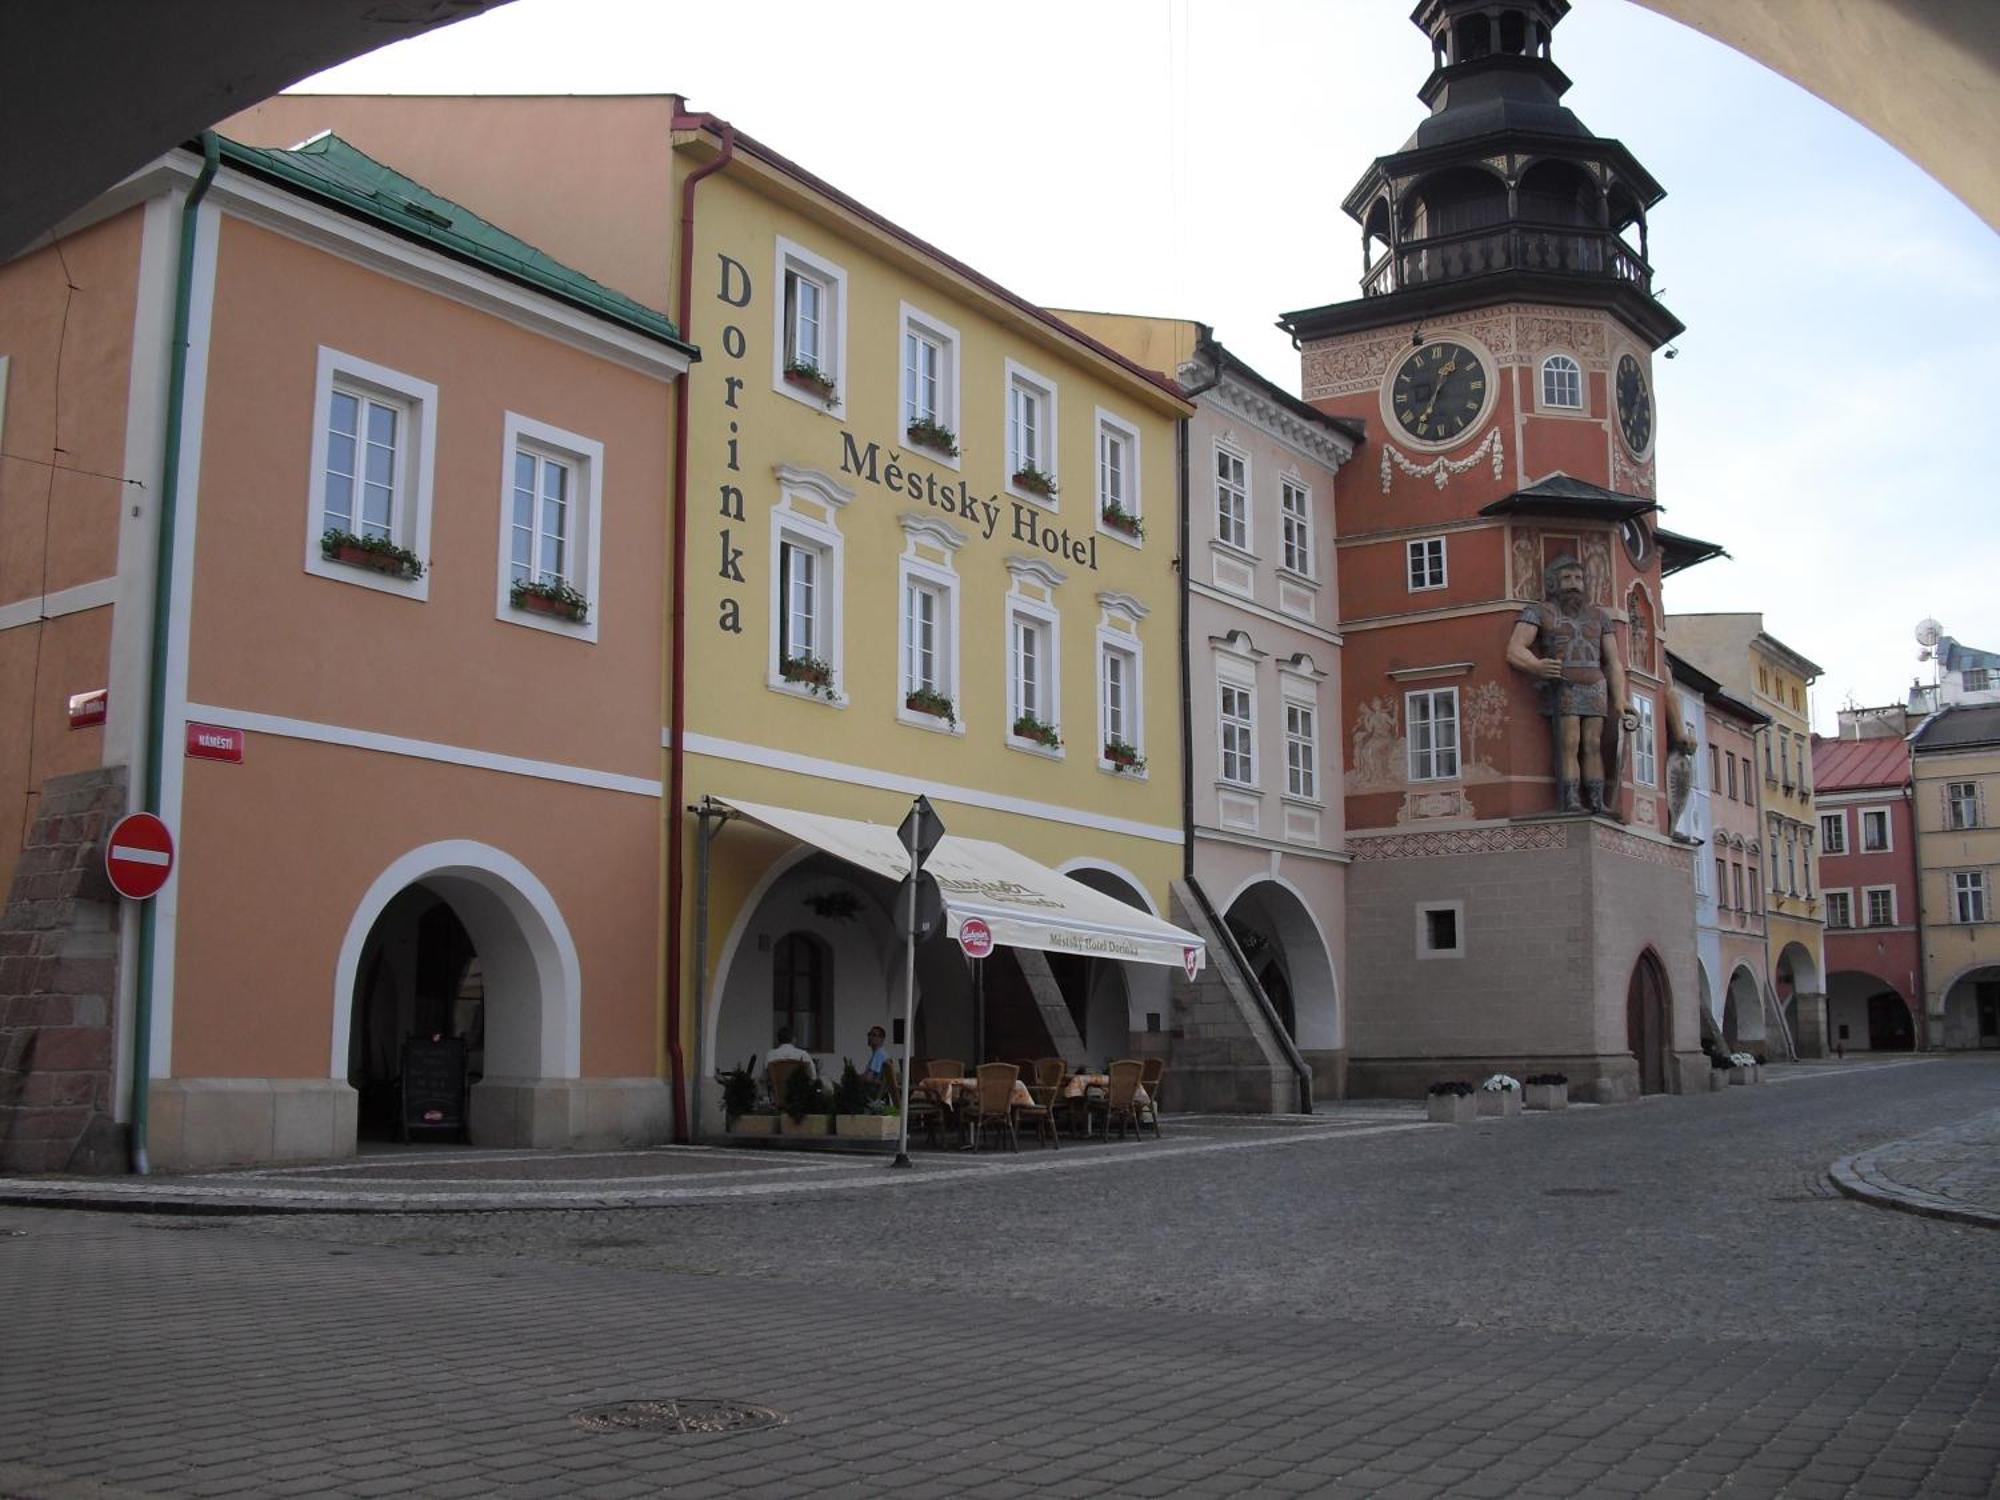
1868 878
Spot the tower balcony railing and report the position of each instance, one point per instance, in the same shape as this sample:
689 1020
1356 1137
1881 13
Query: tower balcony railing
1558 249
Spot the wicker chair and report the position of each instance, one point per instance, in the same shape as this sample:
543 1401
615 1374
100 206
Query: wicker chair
1149 1079
1121 1099
926 1109
1046 1091
777 1075
994 1104
944 1067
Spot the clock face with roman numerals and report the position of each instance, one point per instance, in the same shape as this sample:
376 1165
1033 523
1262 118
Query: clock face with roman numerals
1439 392
1635 406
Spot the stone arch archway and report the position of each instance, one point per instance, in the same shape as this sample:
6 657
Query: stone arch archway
1968 1013
1743 1012
529 1027
1801 995
1269 915
1143 990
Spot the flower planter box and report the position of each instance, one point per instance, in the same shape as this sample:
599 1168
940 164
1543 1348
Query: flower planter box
375 562
1745 1075
1044 735
1453 1109
1718 1080
1034 482
542 604
1546 1096
1123 524
938 440
765 1125
944 710
1502 1103
810 1125
867 1127
818 385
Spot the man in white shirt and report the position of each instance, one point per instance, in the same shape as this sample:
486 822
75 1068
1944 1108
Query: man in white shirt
786 1052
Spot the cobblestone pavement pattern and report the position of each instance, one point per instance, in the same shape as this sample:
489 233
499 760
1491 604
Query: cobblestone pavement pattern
1663 1299
1949 1173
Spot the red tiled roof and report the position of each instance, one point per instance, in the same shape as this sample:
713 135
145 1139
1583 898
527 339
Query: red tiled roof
1855 763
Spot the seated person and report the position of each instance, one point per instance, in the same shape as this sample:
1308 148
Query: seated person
877 1066
786 1052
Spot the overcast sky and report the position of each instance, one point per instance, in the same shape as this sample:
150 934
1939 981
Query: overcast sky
1831 417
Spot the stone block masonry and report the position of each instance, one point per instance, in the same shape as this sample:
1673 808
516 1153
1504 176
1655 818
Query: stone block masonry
59 985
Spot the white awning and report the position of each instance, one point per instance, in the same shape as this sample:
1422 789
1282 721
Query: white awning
1026 904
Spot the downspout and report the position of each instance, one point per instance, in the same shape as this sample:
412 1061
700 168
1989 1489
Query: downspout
1184 443
163 585
677 613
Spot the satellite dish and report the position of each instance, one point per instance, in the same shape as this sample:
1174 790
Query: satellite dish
1929 633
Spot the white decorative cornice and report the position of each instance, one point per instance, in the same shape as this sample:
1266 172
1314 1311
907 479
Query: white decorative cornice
1276 420
1124 604
820 485
1035 570
932 529
1301 665
1439 669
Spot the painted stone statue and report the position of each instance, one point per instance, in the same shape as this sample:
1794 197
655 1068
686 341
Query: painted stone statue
1571 646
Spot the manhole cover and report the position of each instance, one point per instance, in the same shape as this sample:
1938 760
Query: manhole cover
1579 1192
676 1414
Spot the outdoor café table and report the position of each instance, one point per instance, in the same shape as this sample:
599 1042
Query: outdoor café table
1075 1086
948 1091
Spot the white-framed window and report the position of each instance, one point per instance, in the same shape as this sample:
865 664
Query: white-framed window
1426 563
551 525
927 693
1880 903
1034 679
1031 435
1119 508
808 587
1791 862
930 382
1236 704
1301 750
1562 383
1432 717
374 450
1839 909
1118 711
1875 830
1646 742
1977 679
809 347
1833 832
1441 929
1295 520
1961 802
1968 895
1232 498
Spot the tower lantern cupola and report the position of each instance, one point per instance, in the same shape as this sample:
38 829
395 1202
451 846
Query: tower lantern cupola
1502 191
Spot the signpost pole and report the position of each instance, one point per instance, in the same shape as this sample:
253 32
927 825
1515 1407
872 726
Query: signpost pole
909 1004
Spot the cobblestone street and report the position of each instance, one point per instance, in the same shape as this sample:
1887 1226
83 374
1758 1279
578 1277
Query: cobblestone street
1668 1298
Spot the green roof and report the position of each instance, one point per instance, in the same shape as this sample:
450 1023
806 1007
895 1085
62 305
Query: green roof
328 168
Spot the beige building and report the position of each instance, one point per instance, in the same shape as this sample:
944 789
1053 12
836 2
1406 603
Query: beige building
1764 672
1955 766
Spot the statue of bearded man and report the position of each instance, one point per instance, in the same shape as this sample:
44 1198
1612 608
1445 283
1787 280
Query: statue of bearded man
1571 646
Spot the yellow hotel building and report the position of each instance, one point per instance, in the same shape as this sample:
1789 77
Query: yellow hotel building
927 547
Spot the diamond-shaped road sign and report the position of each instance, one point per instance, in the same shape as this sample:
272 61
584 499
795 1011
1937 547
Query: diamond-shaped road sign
924 827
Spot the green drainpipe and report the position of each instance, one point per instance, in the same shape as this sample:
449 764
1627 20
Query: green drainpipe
163 603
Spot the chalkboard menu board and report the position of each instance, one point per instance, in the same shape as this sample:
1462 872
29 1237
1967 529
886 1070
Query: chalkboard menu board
434 1086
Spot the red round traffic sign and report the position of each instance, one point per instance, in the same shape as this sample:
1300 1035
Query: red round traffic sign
139 855
976 938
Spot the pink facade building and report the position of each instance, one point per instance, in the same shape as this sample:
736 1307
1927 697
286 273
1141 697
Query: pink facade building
1868 879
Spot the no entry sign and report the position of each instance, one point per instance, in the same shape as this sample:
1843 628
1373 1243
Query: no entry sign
139 855
976 938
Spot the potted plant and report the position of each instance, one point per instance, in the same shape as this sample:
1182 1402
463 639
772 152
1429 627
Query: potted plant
931 701
1718 1071
1743 1068
1452 1103
376 554
808 376
934 435
811 672
858 1108
1118 518
1500 1095
739 1105
808 1106
1124 758
1028 727
1034 481
549 596
1547 1091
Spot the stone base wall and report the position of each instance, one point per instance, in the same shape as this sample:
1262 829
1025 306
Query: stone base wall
196 1124
571 1112
59 986
1552 916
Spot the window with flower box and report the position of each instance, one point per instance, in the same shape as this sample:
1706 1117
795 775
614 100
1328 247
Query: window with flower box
374 449
930 384
1119 511
809 351
550 526
1031 436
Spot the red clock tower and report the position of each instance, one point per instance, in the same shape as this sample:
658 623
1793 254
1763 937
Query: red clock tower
1516 901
